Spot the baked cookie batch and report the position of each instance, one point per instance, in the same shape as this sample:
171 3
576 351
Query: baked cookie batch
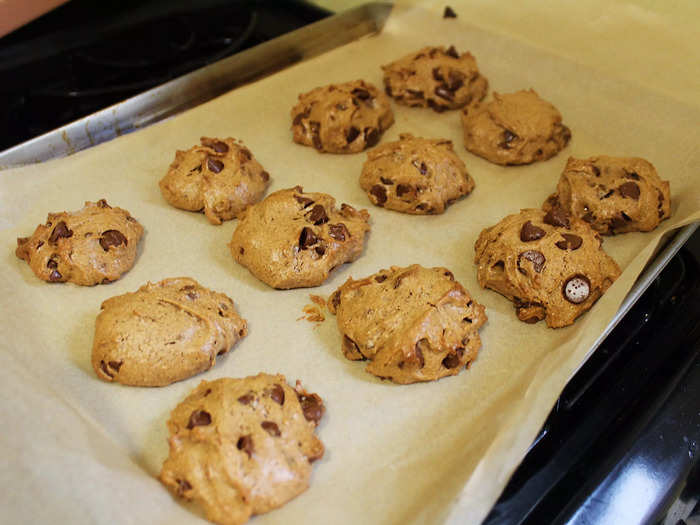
240 447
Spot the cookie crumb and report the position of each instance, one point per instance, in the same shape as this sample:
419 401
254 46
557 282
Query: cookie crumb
449 12
318 300
312 314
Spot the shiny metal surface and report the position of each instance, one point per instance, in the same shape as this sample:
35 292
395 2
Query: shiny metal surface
200 86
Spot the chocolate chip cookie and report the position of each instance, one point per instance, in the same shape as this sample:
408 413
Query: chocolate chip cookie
412 324
415 175
435 77
164 332
220 177
94 245
341 118
613 194
514 128
294 239
240 447
551 265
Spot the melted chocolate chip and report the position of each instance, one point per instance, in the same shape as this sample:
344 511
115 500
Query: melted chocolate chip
455 80
570 242
403 189
449 13
632 175
311 406
246 399
277 394
452 360
338 232
335 299
307 238
379 193
629 190
265 176
530 232
182 486
371 137
415 93
304 201
55 276
52 263
420 346
214 165
271 428
420 166
105 370
102 203
451 51
536 258
115 365
557 216
508 137
596 170
245 443
386 181
437 75
220 147
112 238
244 155
352 134
199 418
315 128
380 278
298 118
61 231
577 289
361 93
317 215
445 93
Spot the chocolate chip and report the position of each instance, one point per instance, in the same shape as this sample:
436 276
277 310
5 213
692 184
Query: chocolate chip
379 193
112 238
557 216
530 232
443 92
307 238
632 175
452 360
435 106
182 486
386 181
220 147
570 242
271 428
55 276
361 93
299 116
338 232
277 394
536 258
244 155
451 51
508 137
214 165
588 217
317 215
352 134
618 223
420 346
449 13
437 75
61 231
115 365
660 205
577 289
380 278
245 443
402 189
596 170
335 299
265 176
629 190
304 201
312 406
315 128
387 90
52 263
420 166
199 418
246 399
320 250
371 137
608 194
102 203
455 80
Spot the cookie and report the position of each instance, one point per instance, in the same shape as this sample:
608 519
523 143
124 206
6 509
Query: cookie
164 332
294 239
551 265
94 245
514 128
341 118
240 447
220 177
415 175
435 77
412 324
613 194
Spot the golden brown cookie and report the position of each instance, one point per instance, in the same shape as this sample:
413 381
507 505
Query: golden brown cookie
412 324
220 177
613 194
94 245
435 77
551 265
514 128
240 447
341 118
294 239
415 175
164 332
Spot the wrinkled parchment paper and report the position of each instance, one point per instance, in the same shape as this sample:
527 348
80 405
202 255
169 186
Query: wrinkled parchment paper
78 450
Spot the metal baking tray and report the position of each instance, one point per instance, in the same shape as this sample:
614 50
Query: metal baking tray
216 79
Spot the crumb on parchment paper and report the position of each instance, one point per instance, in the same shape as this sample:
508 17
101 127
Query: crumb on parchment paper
312 313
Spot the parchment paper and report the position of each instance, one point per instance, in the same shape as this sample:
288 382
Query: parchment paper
78 450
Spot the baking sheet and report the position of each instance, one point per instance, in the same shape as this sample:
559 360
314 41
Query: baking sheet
89 451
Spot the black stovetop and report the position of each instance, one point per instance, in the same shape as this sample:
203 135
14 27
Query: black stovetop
620 444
